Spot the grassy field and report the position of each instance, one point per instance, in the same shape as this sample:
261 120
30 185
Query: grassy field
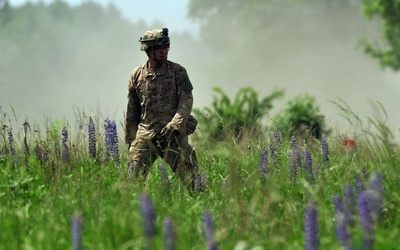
261 193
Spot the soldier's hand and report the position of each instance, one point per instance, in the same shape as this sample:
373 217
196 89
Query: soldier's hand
169 130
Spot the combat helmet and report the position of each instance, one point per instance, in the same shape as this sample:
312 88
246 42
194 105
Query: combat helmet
154 37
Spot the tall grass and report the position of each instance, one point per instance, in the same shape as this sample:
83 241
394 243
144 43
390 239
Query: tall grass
260 192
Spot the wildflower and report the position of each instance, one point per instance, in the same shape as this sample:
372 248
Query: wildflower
108 134
169 234
201 184
292 164
311 227
359 184
92 138
164 177
376 193
64 134
111 139
277 137
131 169
41 151
209 231
26 147
263 163
11 141
4 149
308 166
325 151
295 150
349 144
341 227
65 149
148 217
76 230
114 148
376 182
293 142
273 155
349 204
366 220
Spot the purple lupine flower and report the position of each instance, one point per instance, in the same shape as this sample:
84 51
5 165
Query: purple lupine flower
131 169
376 193
169 234
295 150
293 141
114 149
11 141
108 134
209 231
376 182
277 137
164 178
65 149
92 138
42 151
342 232
111 139
26 146
76 231
349 204
325 151
311 227
64 134
366 220
359 183
148 217
273 155
293 165
308 166
201 183
38 151
263 165
5 149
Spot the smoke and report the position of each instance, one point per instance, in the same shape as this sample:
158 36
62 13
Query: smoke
304 51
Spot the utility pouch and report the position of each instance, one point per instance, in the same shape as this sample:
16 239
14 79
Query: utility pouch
191 125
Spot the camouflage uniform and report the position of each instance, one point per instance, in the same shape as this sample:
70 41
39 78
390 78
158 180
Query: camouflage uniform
157 98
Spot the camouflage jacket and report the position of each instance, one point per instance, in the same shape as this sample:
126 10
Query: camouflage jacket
157 97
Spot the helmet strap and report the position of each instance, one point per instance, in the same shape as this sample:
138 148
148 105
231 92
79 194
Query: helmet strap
152 56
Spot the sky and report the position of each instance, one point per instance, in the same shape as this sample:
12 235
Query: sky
171 13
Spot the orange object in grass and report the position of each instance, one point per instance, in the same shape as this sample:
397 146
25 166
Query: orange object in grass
349 143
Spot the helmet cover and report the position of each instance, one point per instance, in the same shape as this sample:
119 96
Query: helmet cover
154 37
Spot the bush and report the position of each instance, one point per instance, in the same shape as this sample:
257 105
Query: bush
232 117
301 116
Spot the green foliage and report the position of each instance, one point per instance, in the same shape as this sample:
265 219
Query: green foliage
54 129
242 114
387 11
38 198
302 115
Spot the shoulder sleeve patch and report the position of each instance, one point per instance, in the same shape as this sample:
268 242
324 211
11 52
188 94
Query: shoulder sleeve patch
182 79
187 85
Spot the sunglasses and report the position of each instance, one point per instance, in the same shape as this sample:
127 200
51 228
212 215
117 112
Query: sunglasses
158 48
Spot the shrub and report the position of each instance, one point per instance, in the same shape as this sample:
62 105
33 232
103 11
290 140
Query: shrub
226 116
301 116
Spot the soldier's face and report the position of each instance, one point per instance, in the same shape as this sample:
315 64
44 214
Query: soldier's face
161 52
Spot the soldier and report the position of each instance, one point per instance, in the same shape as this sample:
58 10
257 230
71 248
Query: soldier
158 116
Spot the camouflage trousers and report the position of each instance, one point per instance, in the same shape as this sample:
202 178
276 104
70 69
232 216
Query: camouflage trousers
176 152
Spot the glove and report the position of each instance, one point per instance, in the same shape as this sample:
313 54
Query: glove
169 130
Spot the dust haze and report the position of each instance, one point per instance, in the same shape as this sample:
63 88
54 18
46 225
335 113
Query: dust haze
316 56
